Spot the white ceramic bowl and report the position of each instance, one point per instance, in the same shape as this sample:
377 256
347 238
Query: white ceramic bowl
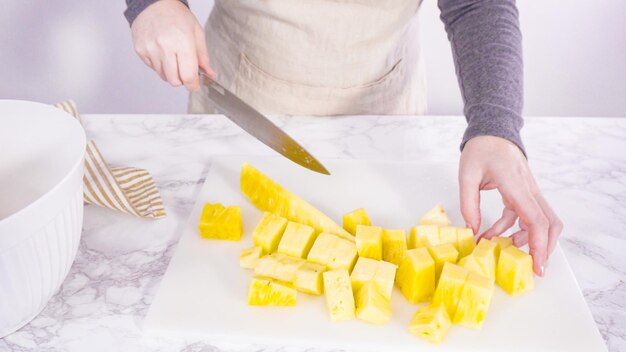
41 206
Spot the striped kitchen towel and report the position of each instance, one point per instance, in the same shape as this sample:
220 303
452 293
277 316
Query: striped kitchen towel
128 189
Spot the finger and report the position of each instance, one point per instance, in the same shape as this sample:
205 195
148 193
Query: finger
170 70
469 185
504 223
203 53
529 211
157 66
188 69
520 238
556 226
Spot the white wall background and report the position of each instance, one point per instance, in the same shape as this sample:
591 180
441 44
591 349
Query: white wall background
575 55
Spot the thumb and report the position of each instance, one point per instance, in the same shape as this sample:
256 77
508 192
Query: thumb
469 191
203 53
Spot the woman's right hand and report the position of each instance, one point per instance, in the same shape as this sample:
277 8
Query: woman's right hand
169 39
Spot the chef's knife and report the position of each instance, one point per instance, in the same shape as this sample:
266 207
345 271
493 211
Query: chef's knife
258 125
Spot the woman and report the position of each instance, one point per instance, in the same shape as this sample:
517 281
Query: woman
325 57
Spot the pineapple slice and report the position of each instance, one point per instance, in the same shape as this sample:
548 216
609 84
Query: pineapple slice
431 323
474 301
448 234
435 216
515 271
220 223
472 264
297 240
372 306
502 243
369 241
309 278
352 219
443 253
339 295
465 243
416 275
424 236
483 259
268 195
278 266
394 245
268 232
249 257
380 272
332 251
450 287
266 292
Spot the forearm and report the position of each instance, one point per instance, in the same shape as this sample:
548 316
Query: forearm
134 8
487 50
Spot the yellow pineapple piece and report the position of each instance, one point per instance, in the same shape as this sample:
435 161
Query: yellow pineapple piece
502 243
485 256
394 245
424 236
278 266
297 240
416 275
372 306
332 251
249 257
435 216
369 241
448 234
309 278
268 232
380 272
431 323
450 286
474 301
220 223
470 263
339 295
267 292
465 242
443 253
515 271
354 218
269 196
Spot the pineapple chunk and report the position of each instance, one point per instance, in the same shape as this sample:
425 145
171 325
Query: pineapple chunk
474 301
380 272
266 292
424 236
447 234
472 264
220 223
339 295
483 259
268 232
416 275
465 241
297 240
332 251
502 243
435 216
249 257
430 323
309 278
352 219
515 271
443 253
278 266
369 241
394 245
269 196
371 305
450 287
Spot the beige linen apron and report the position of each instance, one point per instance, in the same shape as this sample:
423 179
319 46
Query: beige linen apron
317 57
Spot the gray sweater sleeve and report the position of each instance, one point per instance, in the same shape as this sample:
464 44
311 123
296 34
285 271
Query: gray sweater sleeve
134 8
487 49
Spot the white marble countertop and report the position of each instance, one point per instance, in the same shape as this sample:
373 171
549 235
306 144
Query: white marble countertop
580 163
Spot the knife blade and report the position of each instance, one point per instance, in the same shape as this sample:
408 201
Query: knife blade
258 126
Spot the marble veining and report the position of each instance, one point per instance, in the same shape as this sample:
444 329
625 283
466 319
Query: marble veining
580 163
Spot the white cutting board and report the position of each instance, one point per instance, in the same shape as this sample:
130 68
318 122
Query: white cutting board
203 292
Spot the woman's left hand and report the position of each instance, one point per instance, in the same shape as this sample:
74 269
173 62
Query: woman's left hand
489 162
